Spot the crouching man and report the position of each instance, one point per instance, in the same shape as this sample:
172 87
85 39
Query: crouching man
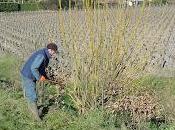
33 71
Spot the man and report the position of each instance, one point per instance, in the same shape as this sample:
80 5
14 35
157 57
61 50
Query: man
34 70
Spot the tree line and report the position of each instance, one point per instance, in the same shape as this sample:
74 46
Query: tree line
25 5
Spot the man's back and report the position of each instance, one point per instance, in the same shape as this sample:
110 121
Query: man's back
36 56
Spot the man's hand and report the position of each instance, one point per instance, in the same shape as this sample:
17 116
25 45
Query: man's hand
42 78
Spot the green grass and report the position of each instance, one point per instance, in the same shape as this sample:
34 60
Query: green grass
14 115
158 84
9 67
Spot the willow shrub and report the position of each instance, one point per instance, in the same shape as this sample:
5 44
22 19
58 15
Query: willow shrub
103 47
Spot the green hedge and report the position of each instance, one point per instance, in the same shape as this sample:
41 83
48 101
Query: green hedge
31 6
8 7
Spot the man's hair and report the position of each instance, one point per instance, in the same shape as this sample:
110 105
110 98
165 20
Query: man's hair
52 46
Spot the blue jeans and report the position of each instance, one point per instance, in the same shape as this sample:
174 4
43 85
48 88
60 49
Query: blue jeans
29 88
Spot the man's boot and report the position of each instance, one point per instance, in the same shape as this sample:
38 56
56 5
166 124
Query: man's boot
33 108
40 112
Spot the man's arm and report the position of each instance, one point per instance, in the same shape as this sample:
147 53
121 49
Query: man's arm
35 66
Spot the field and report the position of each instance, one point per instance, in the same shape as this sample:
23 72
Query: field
116 66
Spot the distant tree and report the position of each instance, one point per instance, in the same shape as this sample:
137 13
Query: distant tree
171 1
159 2
55 4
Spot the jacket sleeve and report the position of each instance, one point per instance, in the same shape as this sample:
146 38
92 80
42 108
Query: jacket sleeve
35 66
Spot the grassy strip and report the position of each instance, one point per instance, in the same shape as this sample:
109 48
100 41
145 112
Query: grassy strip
14 114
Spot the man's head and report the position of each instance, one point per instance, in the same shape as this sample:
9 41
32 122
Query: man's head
52 49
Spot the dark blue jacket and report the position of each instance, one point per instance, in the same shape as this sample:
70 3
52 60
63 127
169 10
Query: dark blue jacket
35 66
